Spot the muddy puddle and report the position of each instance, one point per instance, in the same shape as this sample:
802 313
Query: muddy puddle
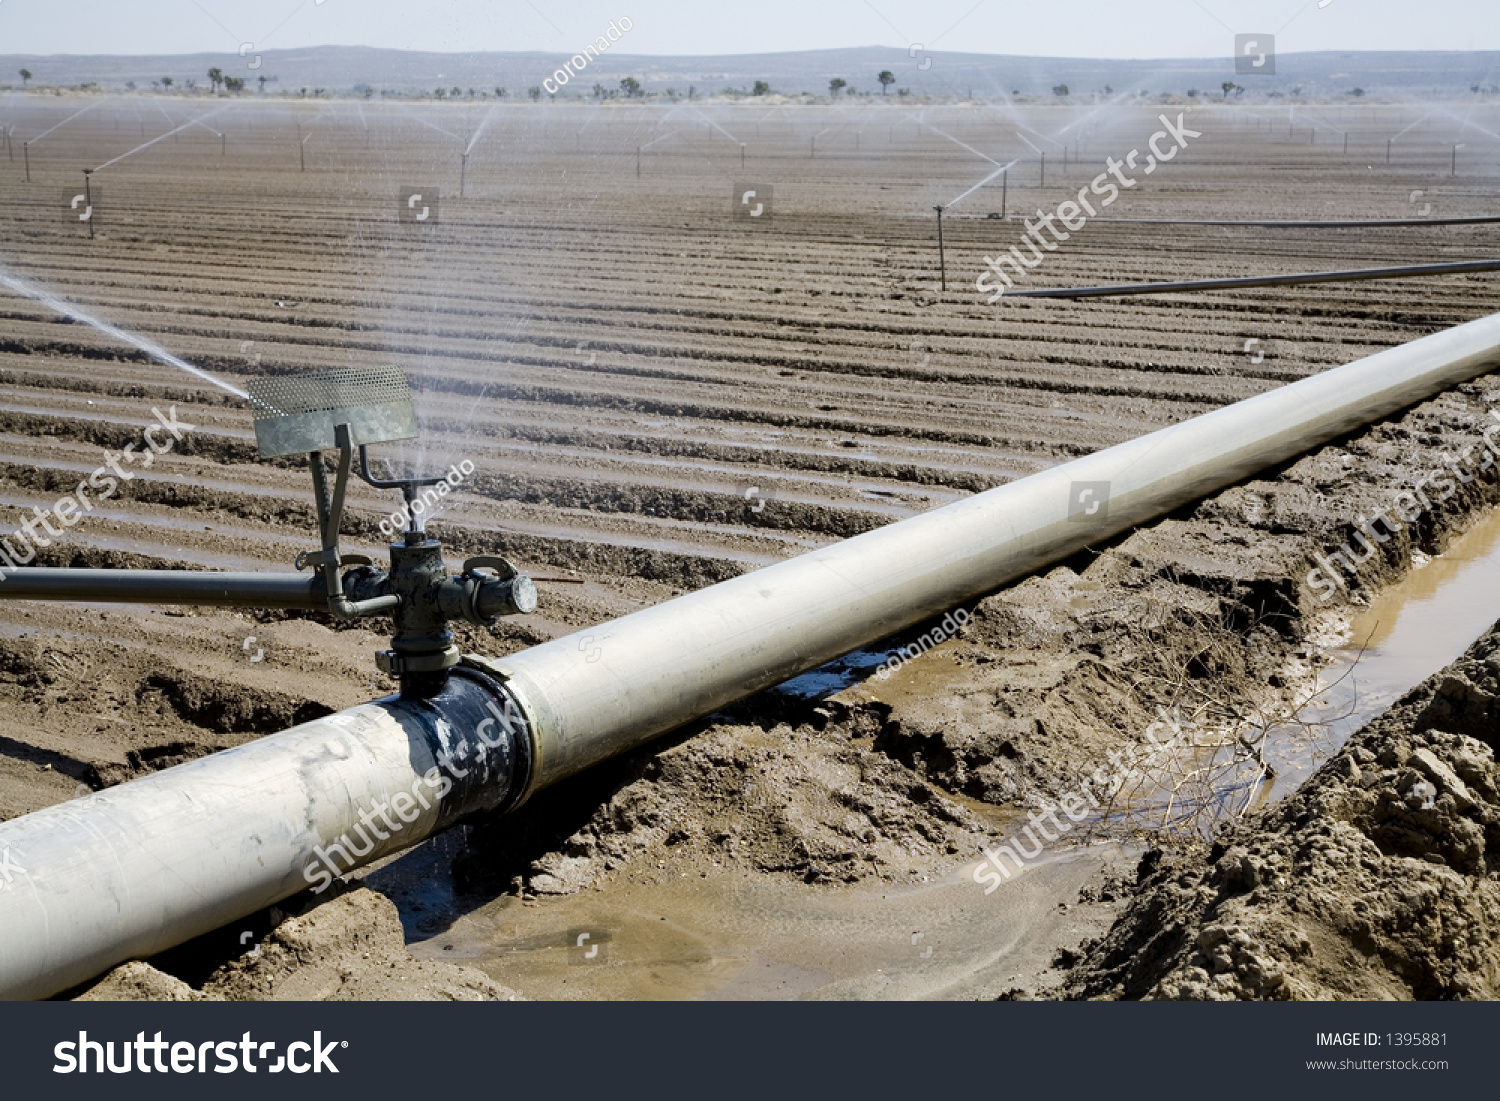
731 934
1409 631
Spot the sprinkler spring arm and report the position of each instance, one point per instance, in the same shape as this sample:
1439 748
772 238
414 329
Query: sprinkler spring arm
407 486
328 560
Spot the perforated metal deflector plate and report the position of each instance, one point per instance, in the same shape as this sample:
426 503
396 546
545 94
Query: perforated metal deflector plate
298 413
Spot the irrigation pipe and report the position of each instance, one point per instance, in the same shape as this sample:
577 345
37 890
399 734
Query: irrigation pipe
1353 276
132 870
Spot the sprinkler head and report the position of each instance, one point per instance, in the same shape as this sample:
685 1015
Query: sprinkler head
347 410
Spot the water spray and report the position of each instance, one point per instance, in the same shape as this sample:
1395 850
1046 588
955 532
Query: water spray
155 351
64 122
648 145
169 134
217 133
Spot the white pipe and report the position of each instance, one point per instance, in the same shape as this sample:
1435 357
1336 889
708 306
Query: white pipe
137 868
603 690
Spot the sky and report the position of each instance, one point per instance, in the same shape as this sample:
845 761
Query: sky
1142 29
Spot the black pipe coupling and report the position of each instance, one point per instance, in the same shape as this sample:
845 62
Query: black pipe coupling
422 645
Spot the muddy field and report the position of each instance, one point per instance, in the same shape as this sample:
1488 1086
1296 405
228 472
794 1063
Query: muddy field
659 392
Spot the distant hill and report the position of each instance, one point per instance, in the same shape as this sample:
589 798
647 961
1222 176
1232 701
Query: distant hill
341 69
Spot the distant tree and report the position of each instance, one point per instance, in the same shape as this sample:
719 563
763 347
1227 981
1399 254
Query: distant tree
631 87
692 88
1192 93
903 92
1108 90
886 79
190 84
130 85
441 93
455 91
25 76
1228 87
500 93
166 82
1060 91
471 93
234 84
837 85
535 92
1357 92
760 88
215 78
262 85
